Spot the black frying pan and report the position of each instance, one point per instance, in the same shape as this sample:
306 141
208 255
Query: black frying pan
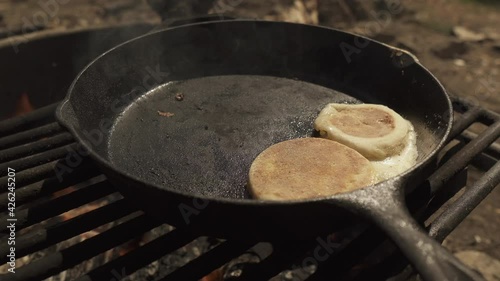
247 85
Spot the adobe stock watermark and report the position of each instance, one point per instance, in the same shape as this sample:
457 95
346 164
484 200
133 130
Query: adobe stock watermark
93 138
187 211
381 19
47 10
323 250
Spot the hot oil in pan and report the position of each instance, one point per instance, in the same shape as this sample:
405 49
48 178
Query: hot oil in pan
216 130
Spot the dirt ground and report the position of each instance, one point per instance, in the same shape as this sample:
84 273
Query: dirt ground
458 40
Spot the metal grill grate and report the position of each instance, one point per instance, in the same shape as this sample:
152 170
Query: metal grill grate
34 145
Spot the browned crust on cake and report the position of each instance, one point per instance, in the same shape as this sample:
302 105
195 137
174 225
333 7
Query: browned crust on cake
307 168
364 122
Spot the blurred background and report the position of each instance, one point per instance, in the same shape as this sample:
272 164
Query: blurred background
458 40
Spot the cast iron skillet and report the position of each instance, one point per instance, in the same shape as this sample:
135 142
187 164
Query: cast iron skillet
247 85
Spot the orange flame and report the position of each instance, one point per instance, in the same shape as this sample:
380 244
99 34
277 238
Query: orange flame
216 275
23 105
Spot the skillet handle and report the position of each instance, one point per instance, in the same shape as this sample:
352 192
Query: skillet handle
385 207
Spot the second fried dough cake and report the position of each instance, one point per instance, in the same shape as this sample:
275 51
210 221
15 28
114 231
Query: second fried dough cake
373 130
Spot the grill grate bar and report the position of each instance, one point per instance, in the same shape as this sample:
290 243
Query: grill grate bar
48 186
38 159
388 268
42 238
30 120
281 258
35 147
141 256
460 160
487 117
209 261
32 175
30 135
71 256
46 210
493 149
350 255
462 123
443 225
449 189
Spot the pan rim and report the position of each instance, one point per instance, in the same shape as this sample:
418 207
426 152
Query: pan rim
62 119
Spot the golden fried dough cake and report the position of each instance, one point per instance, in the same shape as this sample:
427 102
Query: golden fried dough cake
373 130
376 131
306 168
